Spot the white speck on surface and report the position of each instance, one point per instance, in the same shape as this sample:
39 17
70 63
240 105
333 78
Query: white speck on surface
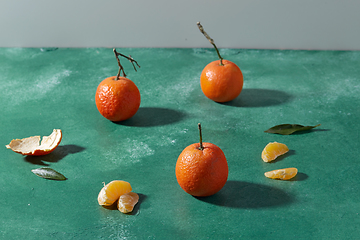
129 152
138 149
344 87
23 91
165 141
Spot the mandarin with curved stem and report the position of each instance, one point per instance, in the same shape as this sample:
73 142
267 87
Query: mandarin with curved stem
220 80
201 169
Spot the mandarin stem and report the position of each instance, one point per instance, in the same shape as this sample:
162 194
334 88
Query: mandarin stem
201 144
211 41
120 66
117 54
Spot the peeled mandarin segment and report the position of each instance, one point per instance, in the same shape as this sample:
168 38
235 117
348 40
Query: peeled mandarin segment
32 146
282 174
273 150
127 202
112 191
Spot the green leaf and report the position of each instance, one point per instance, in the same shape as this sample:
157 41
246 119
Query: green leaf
287 129
48 173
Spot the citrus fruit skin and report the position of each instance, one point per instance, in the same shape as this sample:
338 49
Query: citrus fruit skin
282 174
112 191
117 100
204 172
221 83
32 146
273 150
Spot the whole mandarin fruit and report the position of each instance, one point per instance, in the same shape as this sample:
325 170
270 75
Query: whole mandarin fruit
117 99
201 169
221 83
221 80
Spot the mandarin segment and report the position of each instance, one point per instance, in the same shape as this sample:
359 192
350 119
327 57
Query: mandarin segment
282 174
112 191
273 150
127 202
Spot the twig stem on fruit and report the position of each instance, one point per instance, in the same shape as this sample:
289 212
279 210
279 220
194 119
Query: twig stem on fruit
201 144
121 69
211 41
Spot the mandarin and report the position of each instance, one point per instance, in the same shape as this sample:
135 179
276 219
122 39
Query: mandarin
282 174
127 202
112 191
201 169
273 150
220 80
117 98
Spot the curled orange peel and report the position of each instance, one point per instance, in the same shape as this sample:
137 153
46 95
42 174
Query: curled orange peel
32 146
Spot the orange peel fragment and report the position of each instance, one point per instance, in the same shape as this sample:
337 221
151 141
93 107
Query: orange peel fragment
32 145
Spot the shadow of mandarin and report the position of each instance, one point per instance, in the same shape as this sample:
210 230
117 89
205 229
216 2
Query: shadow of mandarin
239 194
252 97
59 153
153 116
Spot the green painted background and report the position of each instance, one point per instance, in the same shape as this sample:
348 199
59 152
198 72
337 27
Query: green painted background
43 89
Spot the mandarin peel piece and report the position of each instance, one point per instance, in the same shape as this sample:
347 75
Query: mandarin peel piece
32 145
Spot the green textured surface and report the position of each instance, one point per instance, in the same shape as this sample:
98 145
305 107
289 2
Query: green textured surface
43 89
